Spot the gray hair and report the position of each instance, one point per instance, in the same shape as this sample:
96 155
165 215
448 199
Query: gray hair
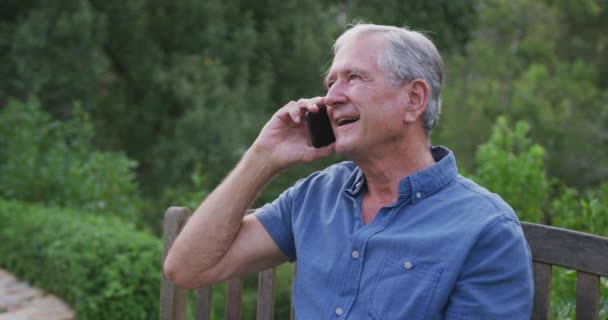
408 55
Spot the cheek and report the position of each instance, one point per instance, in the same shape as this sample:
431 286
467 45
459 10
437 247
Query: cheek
386 122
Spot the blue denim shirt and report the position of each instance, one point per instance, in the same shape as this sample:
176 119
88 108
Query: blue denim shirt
446 249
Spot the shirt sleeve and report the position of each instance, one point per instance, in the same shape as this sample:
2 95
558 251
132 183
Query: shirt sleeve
496 281
276 217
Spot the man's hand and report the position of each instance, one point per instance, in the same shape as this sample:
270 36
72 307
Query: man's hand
285 139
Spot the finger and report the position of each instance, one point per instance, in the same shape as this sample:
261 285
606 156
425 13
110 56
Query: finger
319 101
289 113
299 108
312 104
295 111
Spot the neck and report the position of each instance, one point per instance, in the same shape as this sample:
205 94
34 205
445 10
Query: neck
384 171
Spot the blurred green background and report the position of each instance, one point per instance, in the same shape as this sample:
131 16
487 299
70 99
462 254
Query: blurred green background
111 111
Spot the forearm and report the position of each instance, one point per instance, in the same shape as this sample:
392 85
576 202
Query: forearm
211 230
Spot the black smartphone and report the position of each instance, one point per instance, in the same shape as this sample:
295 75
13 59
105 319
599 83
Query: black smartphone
319 128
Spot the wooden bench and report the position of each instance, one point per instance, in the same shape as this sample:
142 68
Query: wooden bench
585 253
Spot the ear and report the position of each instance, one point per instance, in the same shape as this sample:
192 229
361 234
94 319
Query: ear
418 94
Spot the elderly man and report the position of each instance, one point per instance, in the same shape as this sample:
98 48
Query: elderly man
396 233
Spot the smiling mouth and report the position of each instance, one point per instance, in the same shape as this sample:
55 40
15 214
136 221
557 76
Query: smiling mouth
345 121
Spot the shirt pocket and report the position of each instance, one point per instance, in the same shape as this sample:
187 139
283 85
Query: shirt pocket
403 289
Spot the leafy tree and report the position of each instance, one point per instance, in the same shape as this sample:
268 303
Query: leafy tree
582 31
448 23
516 65
182 84
50 50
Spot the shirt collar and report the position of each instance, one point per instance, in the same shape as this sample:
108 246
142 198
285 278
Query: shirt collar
420 184
355 182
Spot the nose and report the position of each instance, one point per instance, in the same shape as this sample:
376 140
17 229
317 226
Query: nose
336 96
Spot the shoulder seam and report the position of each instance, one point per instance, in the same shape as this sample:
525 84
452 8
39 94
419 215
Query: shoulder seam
502 212
299 194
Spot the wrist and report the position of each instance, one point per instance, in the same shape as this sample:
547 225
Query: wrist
261 160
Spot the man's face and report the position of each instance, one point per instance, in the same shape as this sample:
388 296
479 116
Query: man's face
366 110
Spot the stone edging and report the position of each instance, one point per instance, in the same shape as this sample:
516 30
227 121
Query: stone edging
19 301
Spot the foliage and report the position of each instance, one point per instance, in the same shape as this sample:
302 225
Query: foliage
520 63
582 211
102 267
183 88
45 160
180 84
511 165
448 23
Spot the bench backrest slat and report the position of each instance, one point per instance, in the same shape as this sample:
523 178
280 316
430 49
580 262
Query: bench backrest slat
587 296
585 253
202 304
542 291
173 299
292 315
266 284
234 298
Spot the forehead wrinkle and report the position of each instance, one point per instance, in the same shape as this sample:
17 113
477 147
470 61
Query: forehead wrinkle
333 70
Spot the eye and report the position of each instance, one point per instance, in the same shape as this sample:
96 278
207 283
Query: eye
354 76
330 83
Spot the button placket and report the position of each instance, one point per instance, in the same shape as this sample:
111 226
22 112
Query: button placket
352 277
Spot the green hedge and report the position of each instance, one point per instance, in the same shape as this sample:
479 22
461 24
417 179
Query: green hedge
102 267
55 162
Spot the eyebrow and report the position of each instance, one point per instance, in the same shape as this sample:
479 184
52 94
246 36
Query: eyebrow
347 70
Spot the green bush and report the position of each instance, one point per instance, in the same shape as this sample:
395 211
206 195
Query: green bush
512 166
50 161
582 211
102 267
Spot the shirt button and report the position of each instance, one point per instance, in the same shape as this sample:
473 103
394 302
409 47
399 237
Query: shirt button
407 265
339 311
418 194
355 254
